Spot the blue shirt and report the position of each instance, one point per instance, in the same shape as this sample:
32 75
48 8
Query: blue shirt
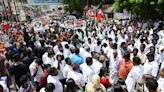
76 59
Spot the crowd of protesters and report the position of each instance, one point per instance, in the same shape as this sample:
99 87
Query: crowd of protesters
108 56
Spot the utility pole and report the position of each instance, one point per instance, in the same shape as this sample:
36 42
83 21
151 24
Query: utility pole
17 18
6 15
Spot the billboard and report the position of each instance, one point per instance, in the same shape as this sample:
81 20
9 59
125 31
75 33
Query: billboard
43 2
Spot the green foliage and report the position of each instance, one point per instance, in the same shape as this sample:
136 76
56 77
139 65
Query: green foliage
140 6
74 5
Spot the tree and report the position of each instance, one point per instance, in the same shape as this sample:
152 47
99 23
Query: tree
140 7
74 5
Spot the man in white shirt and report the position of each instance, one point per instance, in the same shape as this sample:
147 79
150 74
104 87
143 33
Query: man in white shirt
85 52
36 71
142 53
67 67
135 74
50 59
157 57
97 47
151 67
76 76
131 46
96 66
87 70
45 55
106 49
59 65
56 46
53 78
66 51
114 66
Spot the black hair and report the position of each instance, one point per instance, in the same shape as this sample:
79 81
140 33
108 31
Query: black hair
16 57
46 66
137 60
152 47
152 84
98 42
67 46
127 55
122 43
49 87
71 85
38 61
110 39
102 71
77 51
143 45
53 71
150 54
88 60
75 67
67 59
76 36
105 45
114 45
57 56
135 49
70 82
50 52
117 88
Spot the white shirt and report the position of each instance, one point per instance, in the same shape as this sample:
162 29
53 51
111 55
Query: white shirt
137 44
130 47
96 66
85 54
77 77
37 44
50 61
106 50
56 82
135 74
114 65
45 55
97 48
87 72
5 88
66 53
151 68
157 58
85 39
60 73
66 70
4 84
161 33
55 49
30 87
161 84
32 68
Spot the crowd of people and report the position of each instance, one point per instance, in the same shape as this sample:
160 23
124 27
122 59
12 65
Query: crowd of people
108 56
